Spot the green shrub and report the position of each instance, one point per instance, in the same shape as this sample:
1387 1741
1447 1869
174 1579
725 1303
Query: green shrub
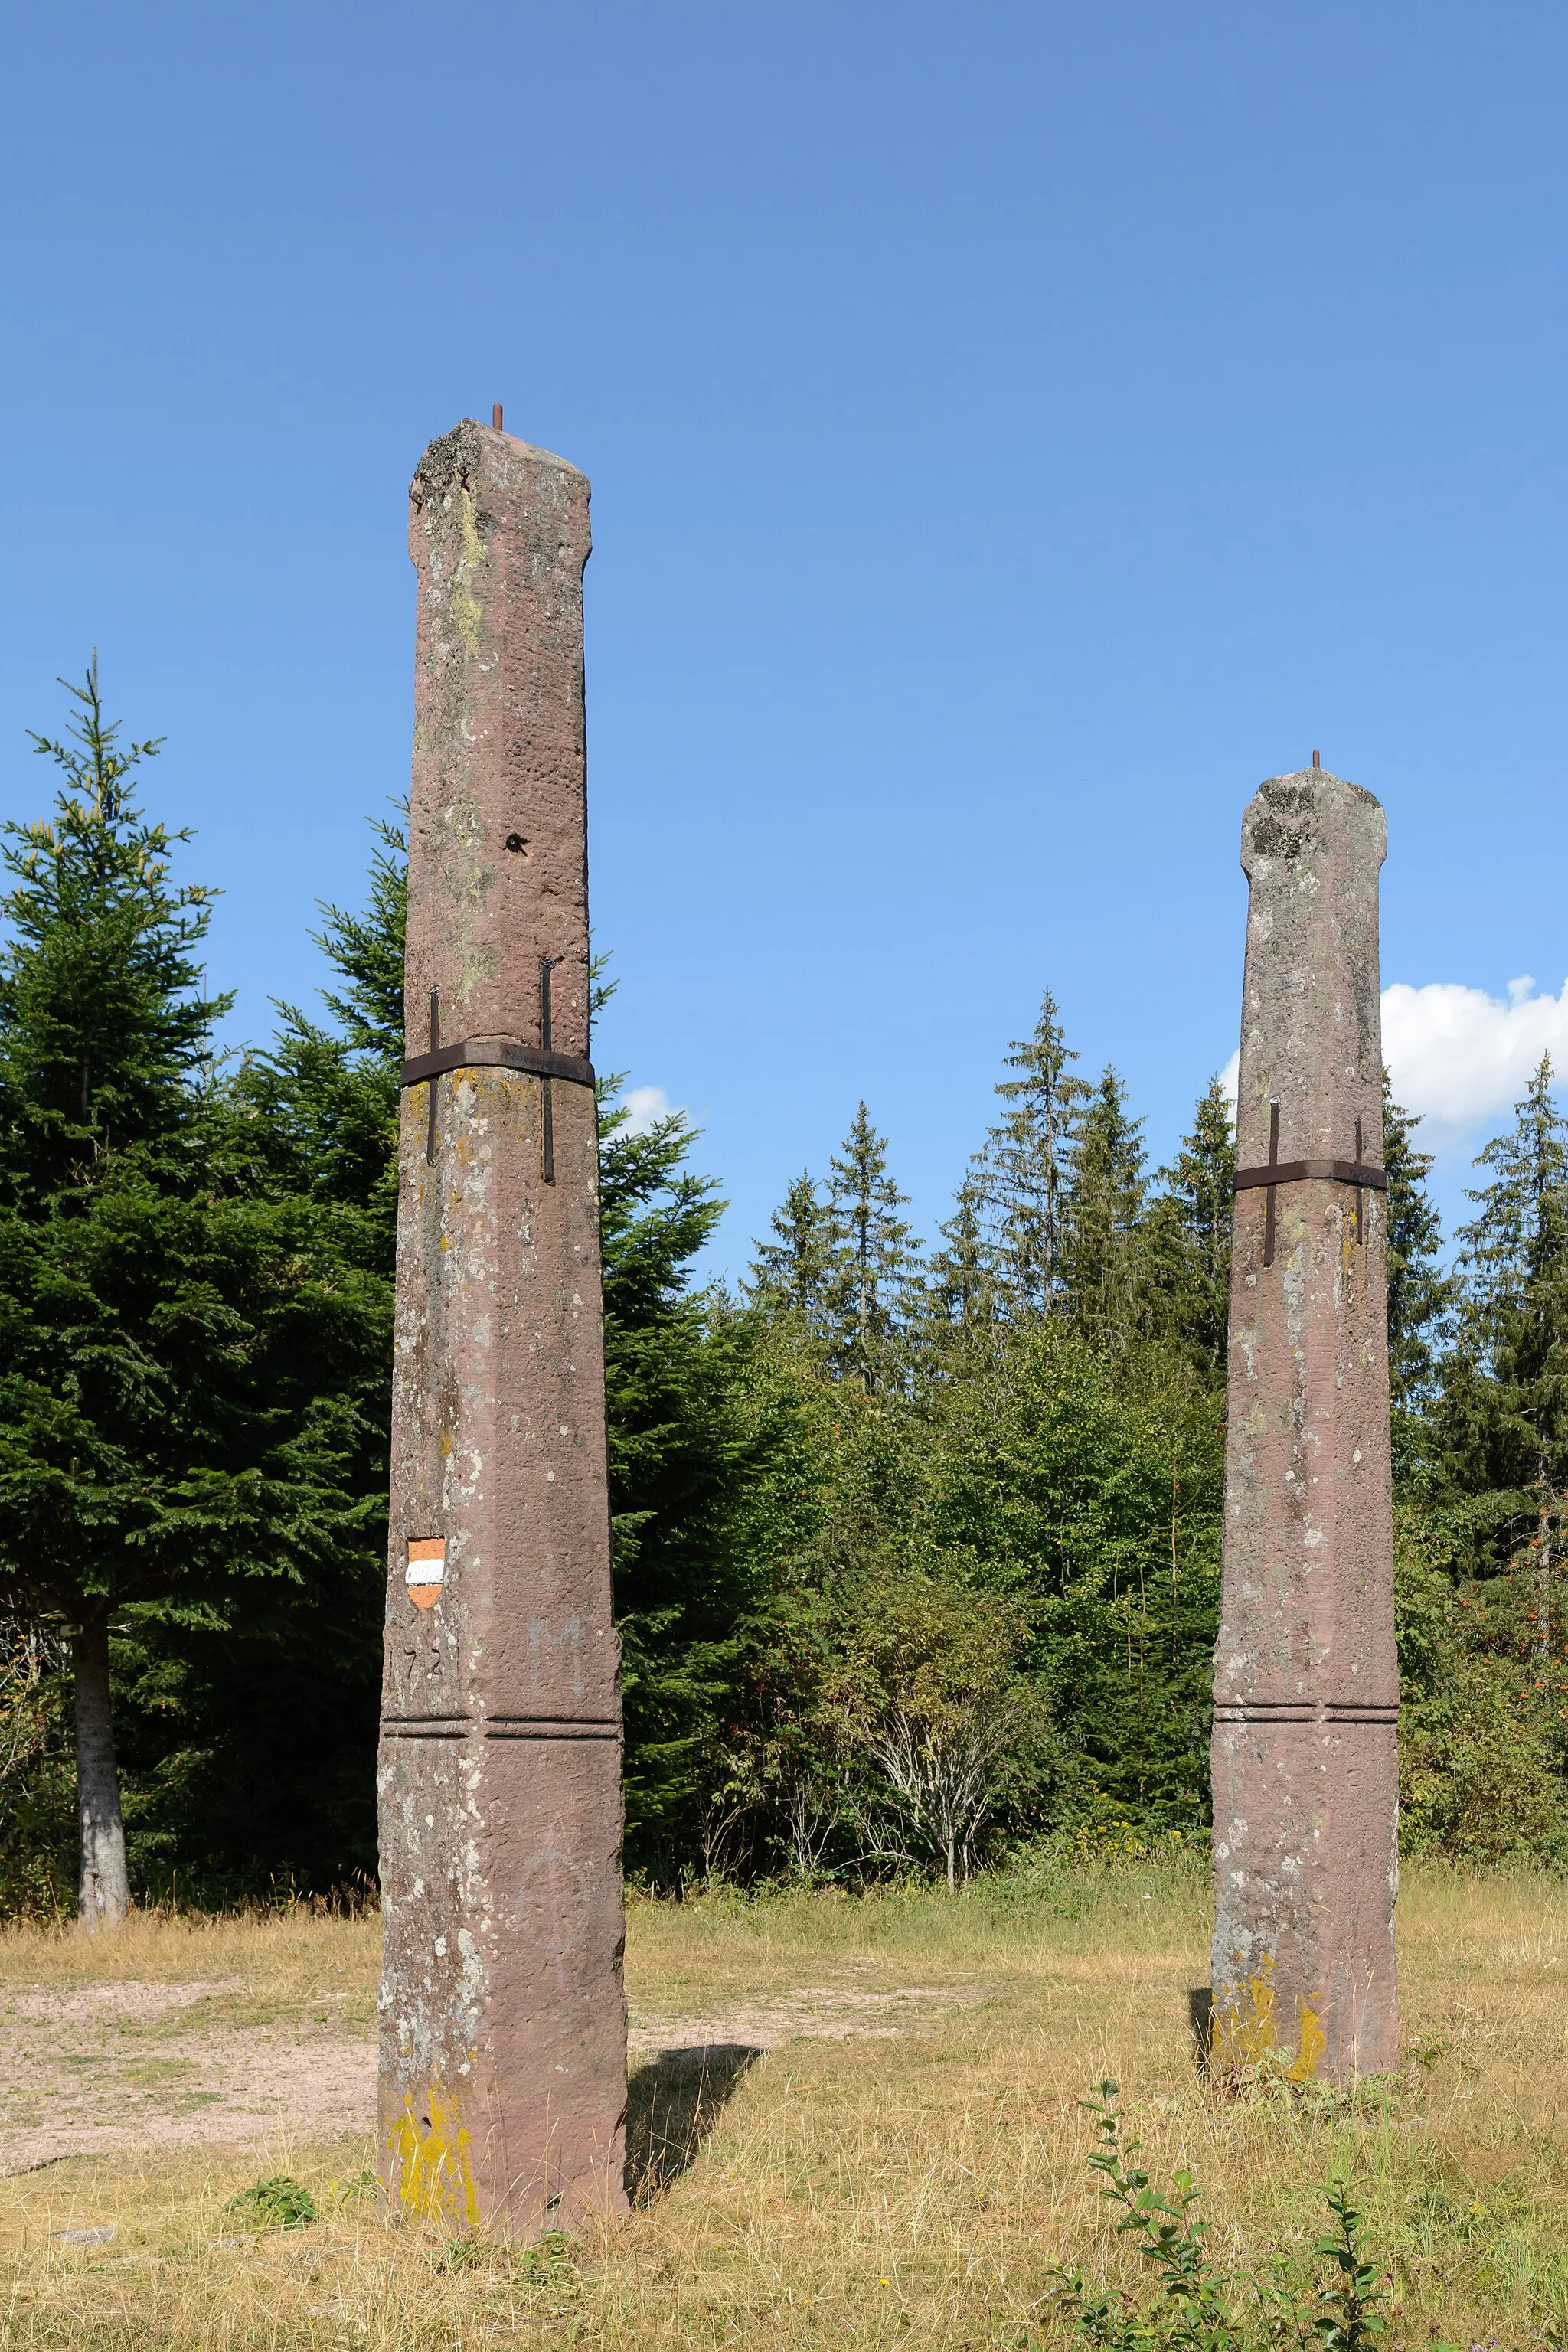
1477 1782
1201 2309
275 2204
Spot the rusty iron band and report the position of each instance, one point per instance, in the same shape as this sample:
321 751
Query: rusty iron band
1278 1172
503 1054
496 1053
1304 1171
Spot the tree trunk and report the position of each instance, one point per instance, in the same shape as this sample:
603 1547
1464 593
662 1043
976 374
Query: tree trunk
104 1890
1544 1565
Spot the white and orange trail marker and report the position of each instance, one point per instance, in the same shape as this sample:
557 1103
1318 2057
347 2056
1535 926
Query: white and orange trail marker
427 1568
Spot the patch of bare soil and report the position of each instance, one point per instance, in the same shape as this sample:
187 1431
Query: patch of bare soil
835 2013
96 2067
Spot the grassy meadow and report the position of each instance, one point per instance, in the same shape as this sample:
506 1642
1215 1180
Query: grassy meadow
904 2171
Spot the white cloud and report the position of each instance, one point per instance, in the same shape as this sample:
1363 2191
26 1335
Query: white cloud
645 1106
1459 1058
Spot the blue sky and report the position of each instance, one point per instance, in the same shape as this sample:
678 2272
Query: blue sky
1015 431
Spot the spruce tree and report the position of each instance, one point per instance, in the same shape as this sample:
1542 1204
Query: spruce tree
876 1259
105 1028
1022 1168
960 1281
1420 1295
675 1446
246 1798
1101 1257
324 1101
162 1444
1505 1391
323 1110
1188 1238
793 1275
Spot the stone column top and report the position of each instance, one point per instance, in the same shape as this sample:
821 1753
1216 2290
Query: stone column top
498 534
443 460
1311 844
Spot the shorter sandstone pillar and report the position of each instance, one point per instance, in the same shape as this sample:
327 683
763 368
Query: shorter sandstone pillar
1305 1762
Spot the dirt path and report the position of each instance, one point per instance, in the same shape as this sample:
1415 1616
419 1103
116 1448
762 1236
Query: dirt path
96 2067
102 2067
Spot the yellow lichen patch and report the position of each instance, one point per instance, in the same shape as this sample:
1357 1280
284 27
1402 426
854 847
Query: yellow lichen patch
1315 2042
1245 2034
435 2177
1242 2032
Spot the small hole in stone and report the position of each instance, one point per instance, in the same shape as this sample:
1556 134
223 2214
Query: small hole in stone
515 841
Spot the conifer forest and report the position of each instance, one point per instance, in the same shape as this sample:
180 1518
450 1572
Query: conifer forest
917 1540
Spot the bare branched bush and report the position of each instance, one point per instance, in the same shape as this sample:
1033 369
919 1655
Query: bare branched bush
30 1657
929 1693
35 1667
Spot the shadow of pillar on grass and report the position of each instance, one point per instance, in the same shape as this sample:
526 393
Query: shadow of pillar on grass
672 2104
1200 2025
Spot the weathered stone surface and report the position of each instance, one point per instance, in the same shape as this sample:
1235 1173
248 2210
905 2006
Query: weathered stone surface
503 2065
1305 1681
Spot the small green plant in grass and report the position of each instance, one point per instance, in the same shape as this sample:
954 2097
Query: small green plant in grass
275 2204
548 2263
547 2277
1201 2308
1168 2233
1349 2320
353 2185
462 2254
545 2273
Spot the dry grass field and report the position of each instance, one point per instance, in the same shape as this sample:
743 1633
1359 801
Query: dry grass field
901 2162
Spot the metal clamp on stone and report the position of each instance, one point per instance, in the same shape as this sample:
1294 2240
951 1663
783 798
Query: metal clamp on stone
1276 1171
500 1053
1299 1172
496 1053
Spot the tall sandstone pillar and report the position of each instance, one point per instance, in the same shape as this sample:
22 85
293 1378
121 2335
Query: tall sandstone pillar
504 2051
1306 1682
